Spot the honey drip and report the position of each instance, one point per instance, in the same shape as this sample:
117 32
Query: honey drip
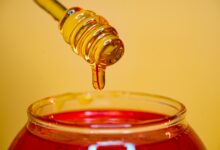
91 37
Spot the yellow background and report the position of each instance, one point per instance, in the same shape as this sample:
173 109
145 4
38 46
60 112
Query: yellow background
172 49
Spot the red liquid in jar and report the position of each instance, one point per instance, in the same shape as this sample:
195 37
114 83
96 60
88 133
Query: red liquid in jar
180 139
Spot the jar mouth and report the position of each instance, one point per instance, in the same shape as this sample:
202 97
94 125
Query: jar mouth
173 112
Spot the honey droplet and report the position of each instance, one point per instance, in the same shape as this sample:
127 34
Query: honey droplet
98 76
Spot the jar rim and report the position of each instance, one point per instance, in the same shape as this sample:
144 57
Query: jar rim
175 118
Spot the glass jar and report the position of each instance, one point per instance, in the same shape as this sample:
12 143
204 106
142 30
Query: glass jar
107 121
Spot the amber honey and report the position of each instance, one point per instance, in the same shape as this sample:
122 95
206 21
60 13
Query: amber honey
90 36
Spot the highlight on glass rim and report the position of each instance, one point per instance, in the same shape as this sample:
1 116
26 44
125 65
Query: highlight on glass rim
102 120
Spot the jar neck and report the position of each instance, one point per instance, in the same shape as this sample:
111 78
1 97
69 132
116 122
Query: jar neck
167 126
67 137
